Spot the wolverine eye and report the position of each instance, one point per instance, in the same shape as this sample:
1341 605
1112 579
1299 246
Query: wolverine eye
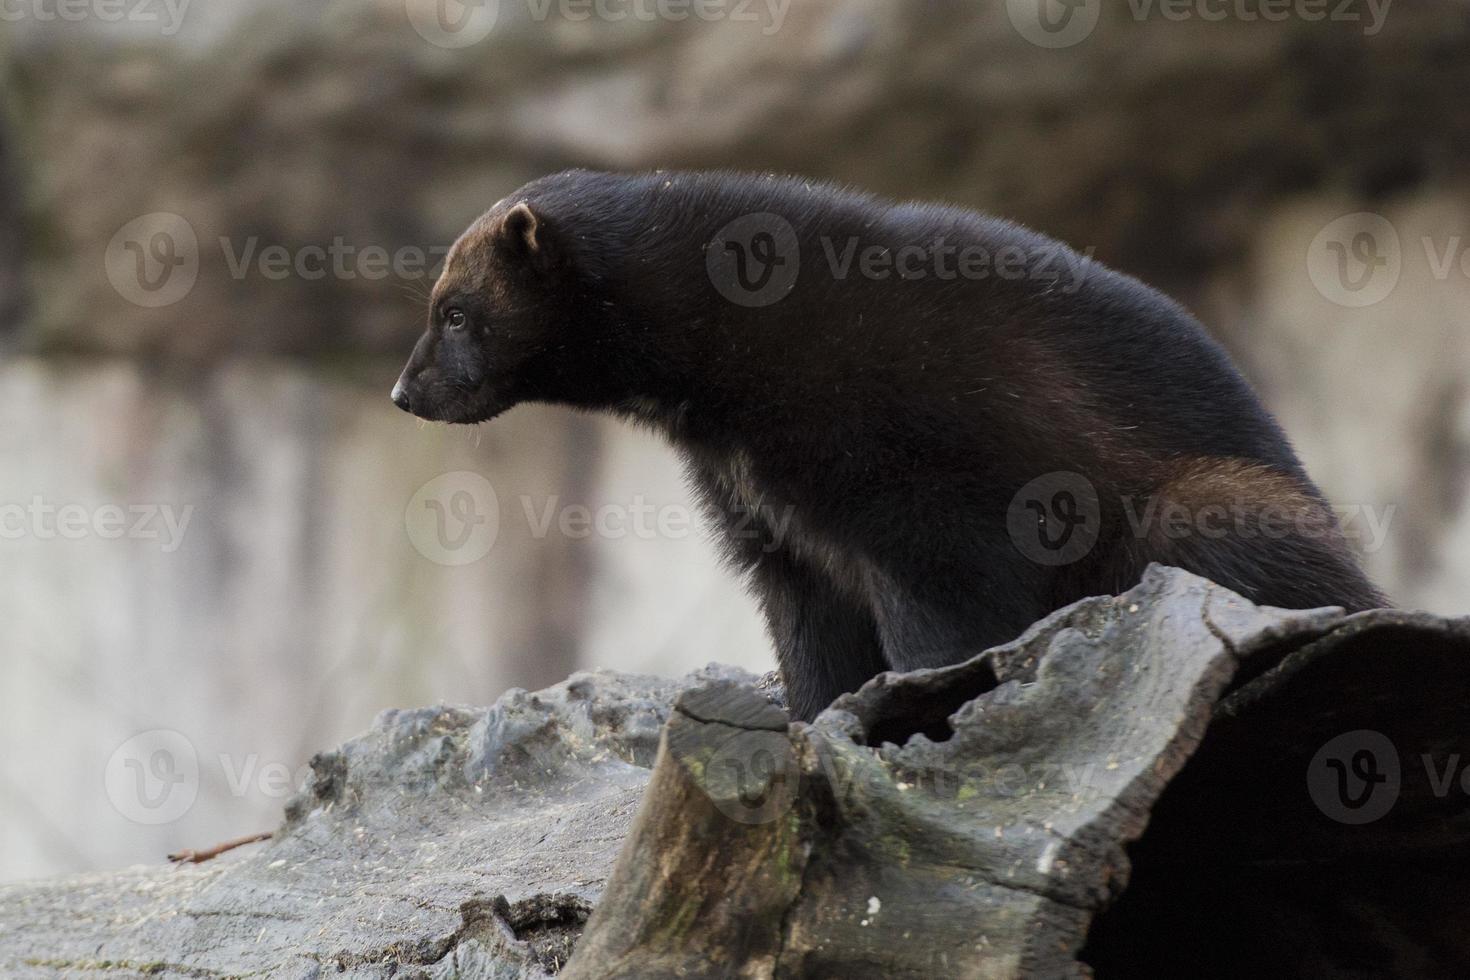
456 319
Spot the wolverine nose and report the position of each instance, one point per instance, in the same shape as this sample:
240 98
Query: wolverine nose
400 396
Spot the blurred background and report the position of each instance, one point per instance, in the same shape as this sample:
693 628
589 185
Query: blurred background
222 549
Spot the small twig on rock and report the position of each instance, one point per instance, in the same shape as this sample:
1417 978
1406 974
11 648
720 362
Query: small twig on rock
199 857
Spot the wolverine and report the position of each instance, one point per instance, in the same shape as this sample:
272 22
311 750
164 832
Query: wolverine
920 428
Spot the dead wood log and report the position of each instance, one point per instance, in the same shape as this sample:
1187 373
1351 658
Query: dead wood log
962 822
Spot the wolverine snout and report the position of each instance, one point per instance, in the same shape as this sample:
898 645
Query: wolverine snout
400 396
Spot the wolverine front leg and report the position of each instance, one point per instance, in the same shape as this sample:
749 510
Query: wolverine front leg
826 640
826 644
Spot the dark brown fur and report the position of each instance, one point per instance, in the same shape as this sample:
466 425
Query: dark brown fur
865 441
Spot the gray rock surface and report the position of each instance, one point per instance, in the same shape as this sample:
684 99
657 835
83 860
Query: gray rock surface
447 842
1140 785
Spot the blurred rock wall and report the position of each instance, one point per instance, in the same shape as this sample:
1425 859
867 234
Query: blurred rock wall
216 236
243 566
1164 144
11 238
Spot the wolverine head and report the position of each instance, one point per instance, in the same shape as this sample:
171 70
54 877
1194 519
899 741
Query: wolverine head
497 319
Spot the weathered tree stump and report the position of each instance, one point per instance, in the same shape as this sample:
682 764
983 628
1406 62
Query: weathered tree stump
962 822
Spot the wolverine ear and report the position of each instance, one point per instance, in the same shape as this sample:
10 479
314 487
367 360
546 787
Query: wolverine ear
523 233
